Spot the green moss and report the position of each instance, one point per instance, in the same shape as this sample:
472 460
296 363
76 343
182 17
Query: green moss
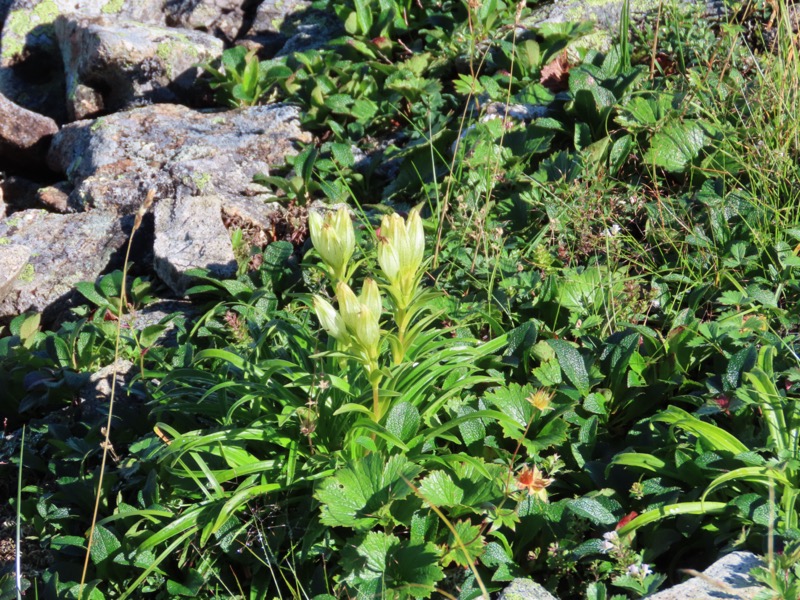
23 21
112 7
201 180
4 241
14 222
27 273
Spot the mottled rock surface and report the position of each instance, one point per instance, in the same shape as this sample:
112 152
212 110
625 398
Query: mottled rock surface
24 135
606 13
31 69
275 22
525 589
190 234
222 18
114 160
64 249
13 260
727 579
113 64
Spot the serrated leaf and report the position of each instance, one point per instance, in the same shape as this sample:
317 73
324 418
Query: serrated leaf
438 489
676 145
467 544
513 401
359 495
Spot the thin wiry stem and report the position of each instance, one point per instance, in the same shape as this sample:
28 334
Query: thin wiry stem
106 445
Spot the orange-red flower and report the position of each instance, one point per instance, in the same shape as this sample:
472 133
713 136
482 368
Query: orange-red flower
534 482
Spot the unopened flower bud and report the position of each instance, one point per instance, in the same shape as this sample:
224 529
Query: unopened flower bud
330 319
334 239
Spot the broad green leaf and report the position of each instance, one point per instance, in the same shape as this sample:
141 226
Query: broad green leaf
465 546
591 509
438 489
360 494
571 363
676 145
403 421
104 544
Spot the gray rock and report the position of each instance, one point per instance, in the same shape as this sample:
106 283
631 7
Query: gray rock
279 16
13 260
64 249
98 389
113 64
315 30
24 135
3 208
525 589
606 13
222 18
728 578
31 70
190 234
114 160
275 22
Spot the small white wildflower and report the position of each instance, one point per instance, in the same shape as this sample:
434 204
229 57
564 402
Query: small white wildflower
610 540
646 570
633 570
612 231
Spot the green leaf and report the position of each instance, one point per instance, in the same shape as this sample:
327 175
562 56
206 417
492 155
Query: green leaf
571 363
189 587
466 545
672 510
676 145
591 509
104 544
438 489
513 402
715 439
403 421
363 16
360 494
383 567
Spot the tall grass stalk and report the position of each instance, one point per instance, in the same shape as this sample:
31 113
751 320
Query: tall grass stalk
106 445
17 548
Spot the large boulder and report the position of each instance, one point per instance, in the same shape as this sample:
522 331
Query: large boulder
62 250
31 69
729 577
190 234
114 64
113 161
24 135
222 18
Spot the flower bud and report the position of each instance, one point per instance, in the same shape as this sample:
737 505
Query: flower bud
401 247
330 319
334 239
371 298
362 315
